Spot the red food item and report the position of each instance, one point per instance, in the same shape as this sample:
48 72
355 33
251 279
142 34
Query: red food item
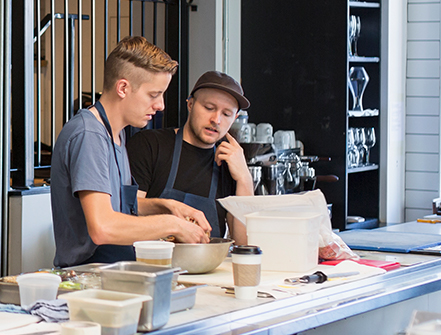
386 265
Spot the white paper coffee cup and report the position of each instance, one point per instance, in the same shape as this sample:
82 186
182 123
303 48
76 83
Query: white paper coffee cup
246 271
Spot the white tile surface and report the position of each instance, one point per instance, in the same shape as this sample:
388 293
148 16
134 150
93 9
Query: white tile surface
422 125
423 87
422 106
420 200
423 50
423 69
422 1
422 162
422 181
423 31
412 214
423 12
422 143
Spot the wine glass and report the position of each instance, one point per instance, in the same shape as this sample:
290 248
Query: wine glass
356 34
352 27
360 143
353 154
370 142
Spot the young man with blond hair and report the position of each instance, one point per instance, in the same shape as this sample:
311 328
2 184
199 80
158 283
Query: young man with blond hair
94 204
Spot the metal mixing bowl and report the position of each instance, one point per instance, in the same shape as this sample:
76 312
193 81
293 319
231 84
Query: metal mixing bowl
201 258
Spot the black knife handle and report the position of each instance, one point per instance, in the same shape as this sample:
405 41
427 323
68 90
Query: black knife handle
317 277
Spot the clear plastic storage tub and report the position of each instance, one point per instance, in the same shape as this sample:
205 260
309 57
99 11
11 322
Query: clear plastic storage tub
116 312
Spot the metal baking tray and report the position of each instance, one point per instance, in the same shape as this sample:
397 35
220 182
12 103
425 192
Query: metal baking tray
184 298
181 299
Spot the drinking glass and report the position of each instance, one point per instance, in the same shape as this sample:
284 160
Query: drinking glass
356 34
370 142
360 143
351 34
353 154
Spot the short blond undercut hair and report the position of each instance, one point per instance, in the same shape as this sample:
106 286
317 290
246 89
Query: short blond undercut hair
132 53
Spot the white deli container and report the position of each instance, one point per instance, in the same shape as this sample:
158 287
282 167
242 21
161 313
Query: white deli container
116 312
289 240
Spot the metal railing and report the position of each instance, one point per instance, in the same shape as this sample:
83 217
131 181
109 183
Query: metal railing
49 85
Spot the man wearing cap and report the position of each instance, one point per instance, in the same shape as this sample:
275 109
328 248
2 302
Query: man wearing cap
200 162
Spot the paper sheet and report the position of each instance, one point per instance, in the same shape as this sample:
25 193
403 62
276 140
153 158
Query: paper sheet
311 201
272 282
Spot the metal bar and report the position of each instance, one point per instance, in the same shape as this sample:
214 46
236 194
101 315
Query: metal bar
93 51
53 77
106 28
131 18
71 57
155 23
5 68
177 29
3 195
66 61
118 20
80 54
38 95
143 19
22 80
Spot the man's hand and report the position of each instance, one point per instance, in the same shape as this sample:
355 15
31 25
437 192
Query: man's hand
232 153
184 211
188 232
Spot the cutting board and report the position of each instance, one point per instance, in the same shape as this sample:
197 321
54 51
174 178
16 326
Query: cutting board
380 240
223 276
14 320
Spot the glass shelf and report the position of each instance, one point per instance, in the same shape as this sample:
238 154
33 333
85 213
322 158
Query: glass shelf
363 113
361 59
362 4
363 168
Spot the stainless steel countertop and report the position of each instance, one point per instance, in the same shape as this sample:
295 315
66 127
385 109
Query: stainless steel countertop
214 313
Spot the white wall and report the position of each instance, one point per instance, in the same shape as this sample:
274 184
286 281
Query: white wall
393 111
31 239
214 38
423 108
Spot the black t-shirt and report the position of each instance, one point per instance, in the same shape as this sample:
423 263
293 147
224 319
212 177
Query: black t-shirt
151 155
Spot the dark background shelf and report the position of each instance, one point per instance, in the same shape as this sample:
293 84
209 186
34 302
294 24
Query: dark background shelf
295 73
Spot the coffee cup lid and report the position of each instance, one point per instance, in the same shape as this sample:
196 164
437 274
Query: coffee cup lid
246 250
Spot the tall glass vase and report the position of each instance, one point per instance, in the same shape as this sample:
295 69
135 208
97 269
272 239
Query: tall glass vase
358 80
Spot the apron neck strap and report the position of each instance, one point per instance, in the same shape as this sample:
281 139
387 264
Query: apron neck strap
175 164
106 122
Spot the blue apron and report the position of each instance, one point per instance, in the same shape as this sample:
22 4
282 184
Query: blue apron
109 253
206 205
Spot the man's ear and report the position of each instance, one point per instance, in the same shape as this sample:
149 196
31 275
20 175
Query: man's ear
122 86
190 102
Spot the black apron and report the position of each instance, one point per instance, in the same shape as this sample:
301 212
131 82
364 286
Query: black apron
206 205
109 253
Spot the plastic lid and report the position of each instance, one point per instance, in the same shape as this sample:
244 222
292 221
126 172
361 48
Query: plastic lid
246 250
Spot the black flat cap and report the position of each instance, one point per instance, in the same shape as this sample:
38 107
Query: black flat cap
222 81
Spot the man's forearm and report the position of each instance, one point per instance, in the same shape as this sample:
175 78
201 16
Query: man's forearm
151 206
245 186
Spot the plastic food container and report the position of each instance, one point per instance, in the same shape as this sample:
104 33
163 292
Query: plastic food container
289 240
141 278
35 286
116 312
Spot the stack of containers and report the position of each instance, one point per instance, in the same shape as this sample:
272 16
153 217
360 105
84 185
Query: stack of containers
289 240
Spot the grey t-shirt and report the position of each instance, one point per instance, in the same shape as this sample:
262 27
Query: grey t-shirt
83 160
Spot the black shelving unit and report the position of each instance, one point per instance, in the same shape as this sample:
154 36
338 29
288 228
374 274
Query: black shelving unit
295 65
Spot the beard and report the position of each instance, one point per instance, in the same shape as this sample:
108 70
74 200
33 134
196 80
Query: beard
197 134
